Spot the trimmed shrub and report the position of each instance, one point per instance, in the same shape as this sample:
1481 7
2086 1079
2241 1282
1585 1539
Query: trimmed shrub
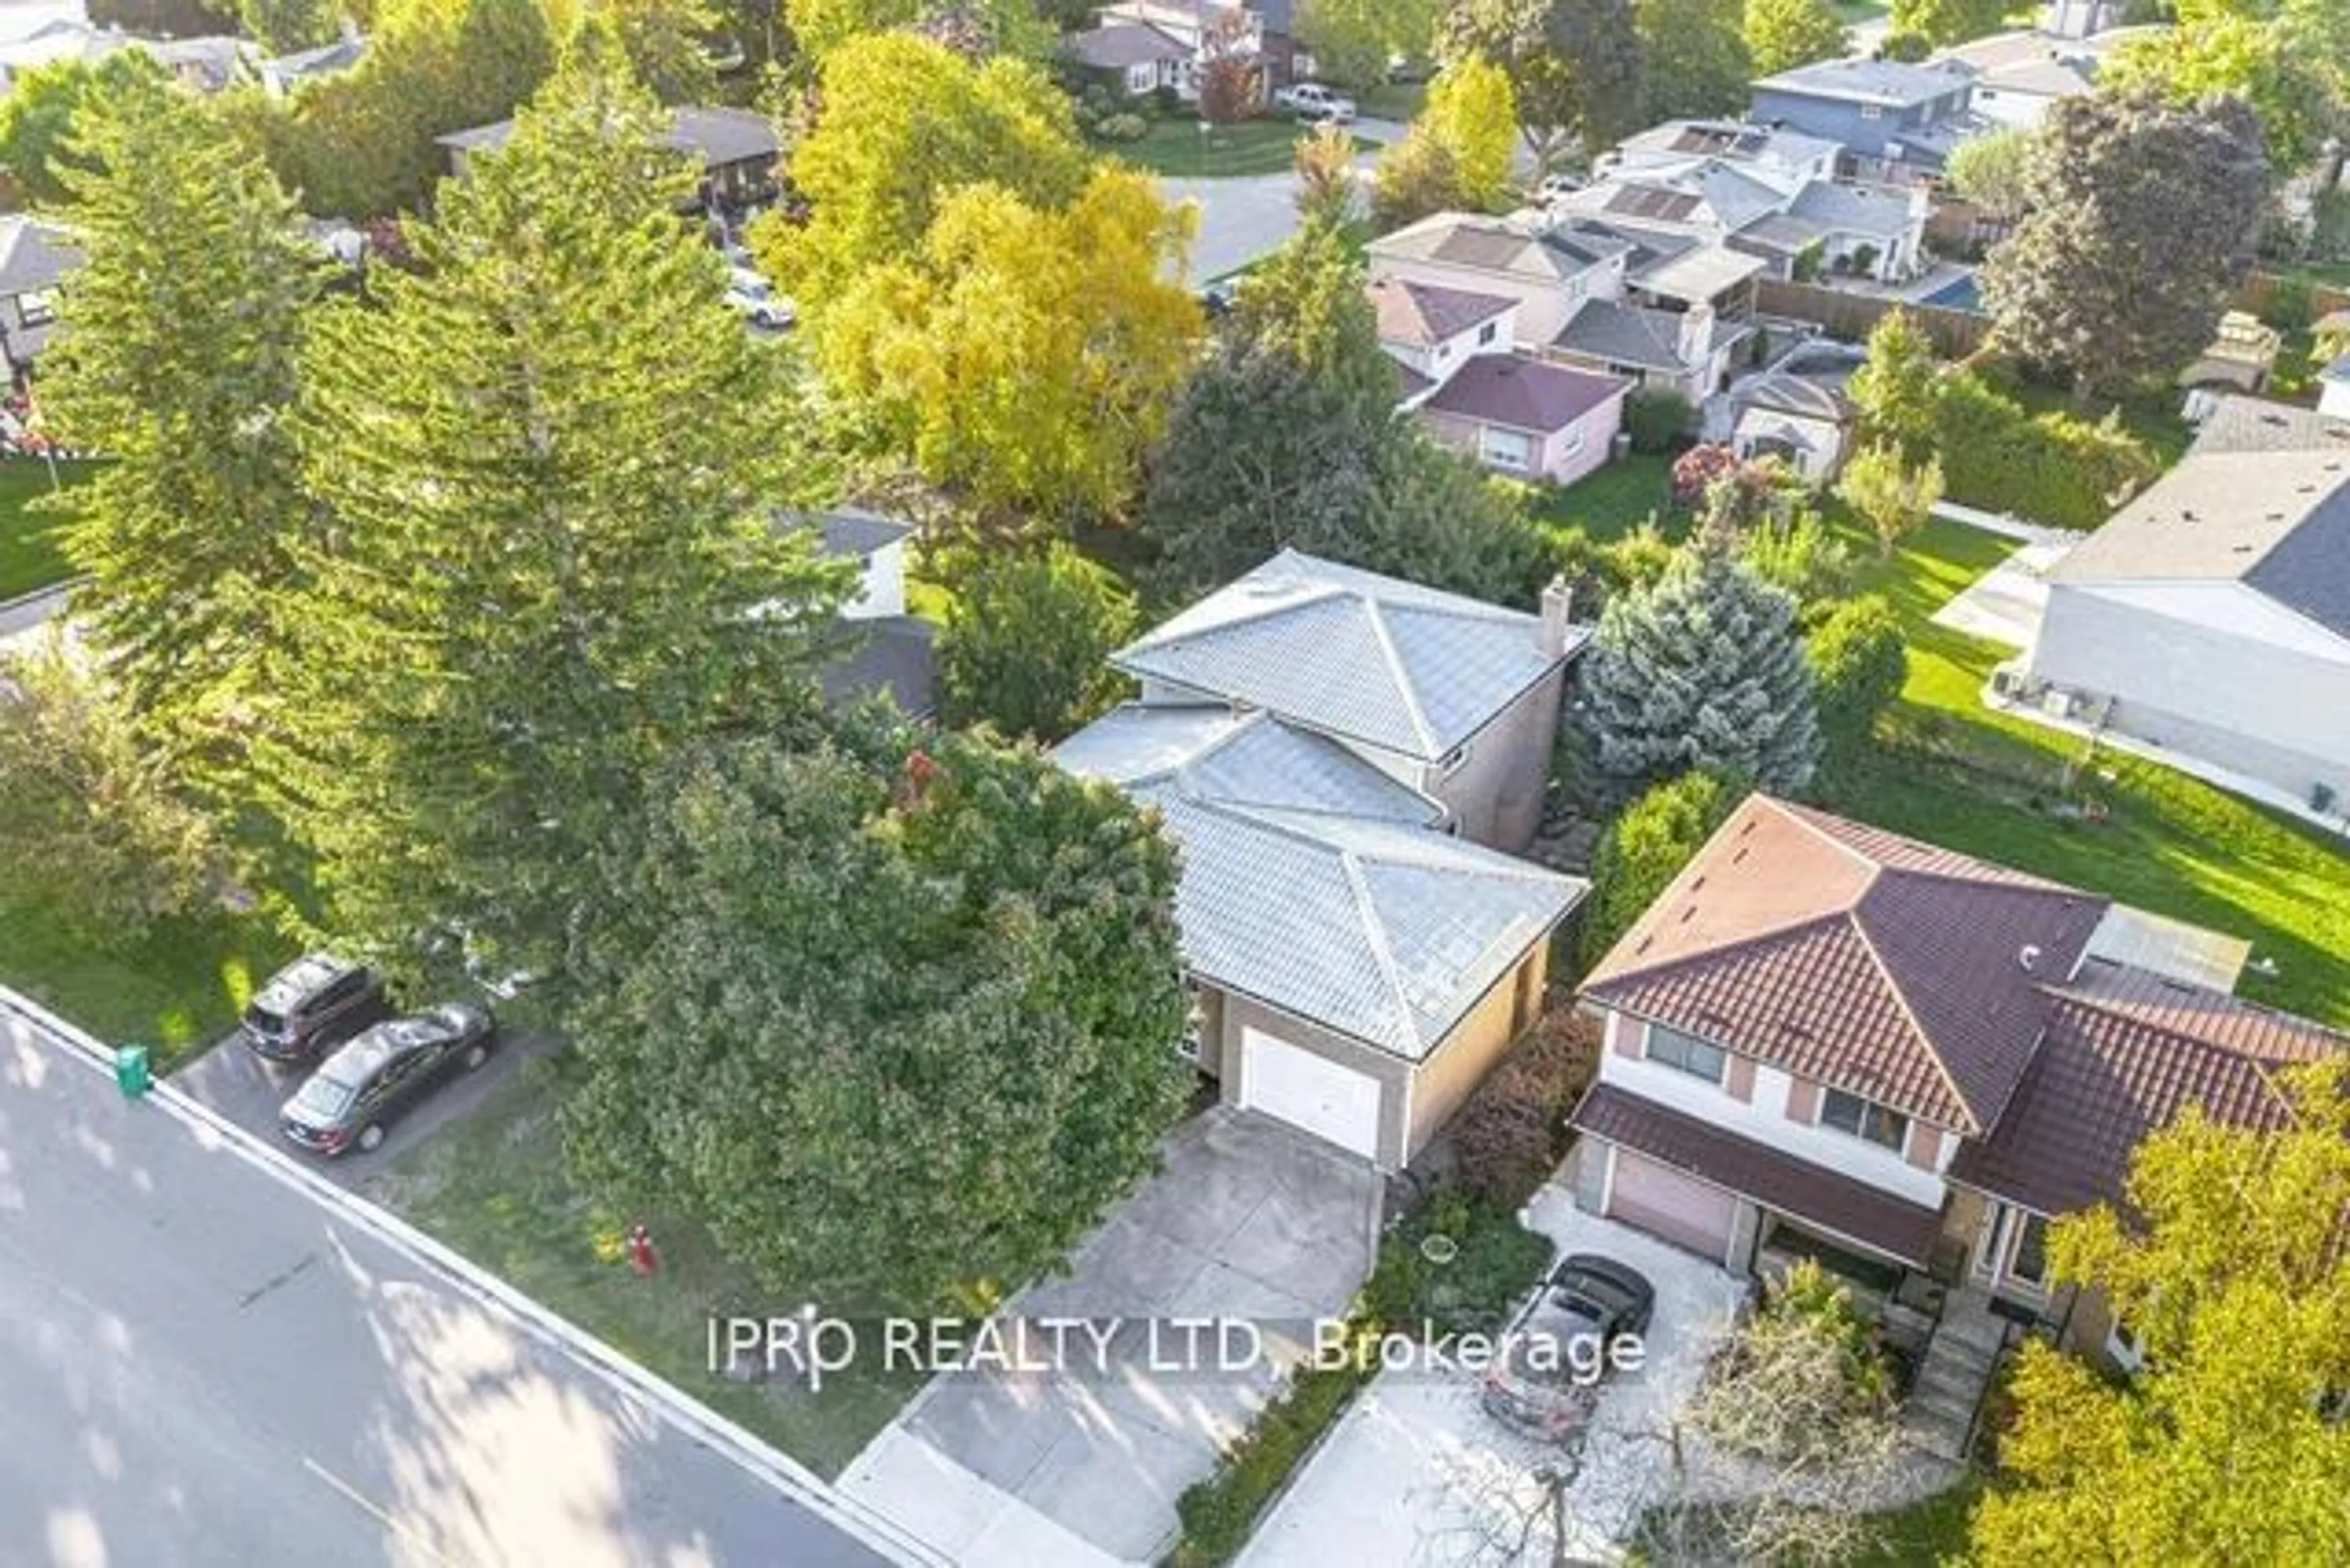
2050 468
1859 663
1646 847
1512 1133
1657 419
1121 128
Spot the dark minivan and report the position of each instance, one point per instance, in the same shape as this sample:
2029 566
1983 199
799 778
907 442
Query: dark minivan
314 1003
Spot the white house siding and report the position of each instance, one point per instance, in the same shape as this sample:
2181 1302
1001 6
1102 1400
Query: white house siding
881 584
2213 669
1763 1118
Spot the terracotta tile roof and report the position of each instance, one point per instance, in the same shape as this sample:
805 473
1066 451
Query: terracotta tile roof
1863 959
1814 1195
2120 1062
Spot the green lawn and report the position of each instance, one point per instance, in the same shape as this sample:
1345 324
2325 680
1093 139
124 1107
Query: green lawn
1178 148
29 556
1926 1533
1612 503
1983 782
2156 422
177 991
1393 100
492 1185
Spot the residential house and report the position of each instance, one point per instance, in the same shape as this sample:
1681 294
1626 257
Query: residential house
1130 58
2209 618
1825 1040
1452 697
1199 27
2019 75
1895 121
282 74
1356 967
204 65
1460 376
881 648
1802 422
1283 55
34 254
1770 194
737 149
1662 310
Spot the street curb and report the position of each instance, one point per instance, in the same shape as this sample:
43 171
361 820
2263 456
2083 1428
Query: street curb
54 590
746 1448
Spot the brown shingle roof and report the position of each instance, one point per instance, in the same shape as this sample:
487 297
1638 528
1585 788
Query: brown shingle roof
1422 314
2120 1062
1855 957
1524 394
1846 1208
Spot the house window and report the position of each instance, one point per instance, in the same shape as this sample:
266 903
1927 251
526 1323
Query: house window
37 307
1687 1052
1506 449
1871 111
2028 1262
1485 333
1863 1118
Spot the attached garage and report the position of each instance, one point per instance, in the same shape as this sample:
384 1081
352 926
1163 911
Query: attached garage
1681 1209
1312 1092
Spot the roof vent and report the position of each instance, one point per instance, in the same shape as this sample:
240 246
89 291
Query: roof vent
2028 958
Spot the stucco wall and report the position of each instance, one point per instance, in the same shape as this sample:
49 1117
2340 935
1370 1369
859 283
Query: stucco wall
1452 1073
1495 793
1391 1071
2273 712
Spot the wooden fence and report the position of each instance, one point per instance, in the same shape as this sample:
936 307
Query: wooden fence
1850 316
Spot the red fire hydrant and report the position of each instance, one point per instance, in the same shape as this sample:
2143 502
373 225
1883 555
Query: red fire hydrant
641 1256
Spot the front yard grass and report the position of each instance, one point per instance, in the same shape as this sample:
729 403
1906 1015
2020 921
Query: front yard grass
175 992
1960 775
1176 148
494 1188
30 558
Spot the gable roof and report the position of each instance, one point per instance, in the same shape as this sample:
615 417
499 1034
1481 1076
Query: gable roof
1422 314
1736 139
1888 83
1352 653
1315 883
2276 521
854 531
1857 958
1635 335
33 254
716 136
2126 1053
1524 394
1115 46
1540 252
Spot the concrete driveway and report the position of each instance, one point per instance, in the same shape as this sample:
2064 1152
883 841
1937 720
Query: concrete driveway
1251 1224
233 1081
1417 1472
1244 217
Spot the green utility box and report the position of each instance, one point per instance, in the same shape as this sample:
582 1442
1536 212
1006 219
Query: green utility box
132 1072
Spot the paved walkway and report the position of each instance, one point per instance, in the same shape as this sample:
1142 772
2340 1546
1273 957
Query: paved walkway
2005 604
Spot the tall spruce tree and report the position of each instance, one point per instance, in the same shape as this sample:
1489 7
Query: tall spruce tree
551 458
178 359
1704 669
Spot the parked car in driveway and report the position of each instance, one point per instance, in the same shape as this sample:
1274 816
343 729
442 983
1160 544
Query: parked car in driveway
1561 1344
754 299
361 1090
1312 101
311 1005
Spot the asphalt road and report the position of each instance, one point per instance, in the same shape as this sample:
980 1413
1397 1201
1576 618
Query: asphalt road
200 1363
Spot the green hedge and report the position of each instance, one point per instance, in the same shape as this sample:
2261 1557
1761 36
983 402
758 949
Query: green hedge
2050 468
1495 1261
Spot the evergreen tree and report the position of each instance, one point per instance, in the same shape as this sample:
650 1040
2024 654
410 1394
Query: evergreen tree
896 1023
1645 848
179 361
1027 641
1703 669
283 26
1942 23
1473 114
37 117
1693 58
1784 34
1896 390
551 457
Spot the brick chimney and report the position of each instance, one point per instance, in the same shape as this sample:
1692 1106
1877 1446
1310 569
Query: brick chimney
1558 599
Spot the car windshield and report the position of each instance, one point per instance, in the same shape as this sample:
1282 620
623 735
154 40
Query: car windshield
261 1018
324 1097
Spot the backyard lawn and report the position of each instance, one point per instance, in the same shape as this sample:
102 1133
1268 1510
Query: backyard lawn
29 556
492 1185
1612 502
1178 148
176 991
1981 782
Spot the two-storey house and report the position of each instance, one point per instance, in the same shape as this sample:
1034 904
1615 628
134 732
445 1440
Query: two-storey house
1338 754
1826 1040
1895 121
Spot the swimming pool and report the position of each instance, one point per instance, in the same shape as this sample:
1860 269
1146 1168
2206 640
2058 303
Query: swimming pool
1958 293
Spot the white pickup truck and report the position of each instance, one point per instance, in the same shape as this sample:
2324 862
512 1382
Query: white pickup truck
1312 100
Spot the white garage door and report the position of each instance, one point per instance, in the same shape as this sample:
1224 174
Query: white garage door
1681 1209
1311 1092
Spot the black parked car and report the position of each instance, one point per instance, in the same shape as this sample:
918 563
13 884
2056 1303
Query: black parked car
311 1005
1546 1378
364 1087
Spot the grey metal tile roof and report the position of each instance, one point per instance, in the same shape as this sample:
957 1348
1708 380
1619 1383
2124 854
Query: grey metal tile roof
1314 882
1349 652
887 654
